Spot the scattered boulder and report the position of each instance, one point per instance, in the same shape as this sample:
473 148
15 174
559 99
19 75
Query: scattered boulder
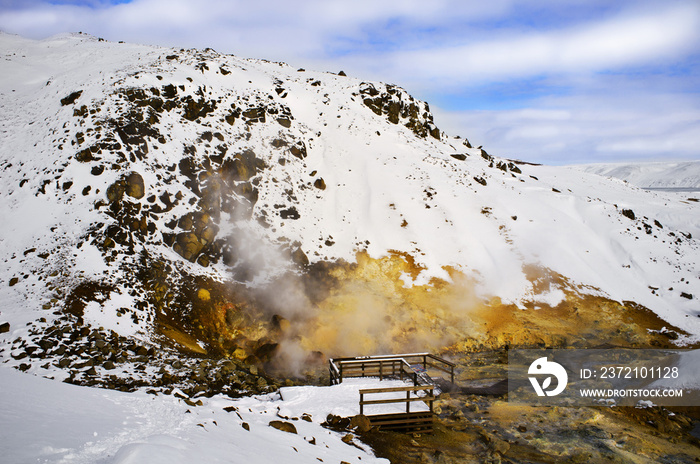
290 213
360 423
4 327
70 99
298 150
134 185
300 258
283 426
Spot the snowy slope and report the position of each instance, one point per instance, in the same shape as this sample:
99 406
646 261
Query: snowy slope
684 175
386 184
50 422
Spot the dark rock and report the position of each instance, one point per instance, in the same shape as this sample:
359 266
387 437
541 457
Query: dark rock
320 184
266 352
13 281
115 192
169 91
4 327
299 257
628 213
299 150
290 213
283 426
256 114
242 167
70 99
459 157
689 296
188 245
336 422
495 443
194 109
134 185
360 423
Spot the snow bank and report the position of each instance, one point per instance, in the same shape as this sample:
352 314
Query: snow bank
47 421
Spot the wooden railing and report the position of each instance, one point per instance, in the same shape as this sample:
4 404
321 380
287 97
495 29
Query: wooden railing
382 368
402 366
428 398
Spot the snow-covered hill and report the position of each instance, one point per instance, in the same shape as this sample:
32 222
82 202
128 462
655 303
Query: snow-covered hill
177 221
679 175
231 206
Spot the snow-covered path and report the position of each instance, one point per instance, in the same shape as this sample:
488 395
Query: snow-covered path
45 421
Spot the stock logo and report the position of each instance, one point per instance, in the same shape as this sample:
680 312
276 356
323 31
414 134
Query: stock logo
541 367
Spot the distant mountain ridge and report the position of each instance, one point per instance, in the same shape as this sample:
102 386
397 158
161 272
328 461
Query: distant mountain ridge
682 174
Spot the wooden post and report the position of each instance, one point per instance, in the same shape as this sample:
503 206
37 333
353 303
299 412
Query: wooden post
425 362
381 373
361 403
452 374
408 402
340 369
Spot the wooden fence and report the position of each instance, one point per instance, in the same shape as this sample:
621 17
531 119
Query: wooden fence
413 366
416 421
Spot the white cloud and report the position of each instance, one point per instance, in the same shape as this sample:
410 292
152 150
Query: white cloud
593 128
611 44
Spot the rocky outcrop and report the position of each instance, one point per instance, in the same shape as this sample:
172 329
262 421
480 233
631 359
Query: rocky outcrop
399 108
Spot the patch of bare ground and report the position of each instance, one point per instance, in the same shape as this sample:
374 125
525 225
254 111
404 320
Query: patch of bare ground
478 429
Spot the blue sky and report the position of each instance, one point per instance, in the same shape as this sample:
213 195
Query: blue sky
548 81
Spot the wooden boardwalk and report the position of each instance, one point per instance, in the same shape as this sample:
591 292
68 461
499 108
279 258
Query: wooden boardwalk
412 368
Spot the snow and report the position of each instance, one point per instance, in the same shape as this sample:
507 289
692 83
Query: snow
662 175
107 314
343 399
51 422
